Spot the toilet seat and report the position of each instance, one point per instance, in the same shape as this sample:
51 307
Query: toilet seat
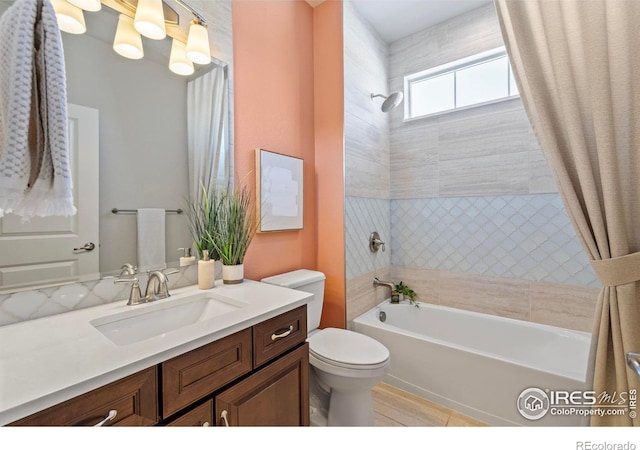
347 349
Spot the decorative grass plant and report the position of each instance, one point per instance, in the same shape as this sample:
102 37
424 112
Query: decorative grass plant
235 227
203 220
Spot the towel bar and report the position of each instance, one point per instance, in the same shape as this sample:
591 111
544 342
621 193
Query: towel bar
134 211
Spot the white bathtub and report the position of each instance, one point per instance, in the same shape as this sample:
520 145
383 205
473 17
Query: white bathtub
478 364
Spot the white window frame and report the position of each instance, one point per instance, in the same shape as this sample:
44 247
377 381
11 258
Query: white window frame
453 67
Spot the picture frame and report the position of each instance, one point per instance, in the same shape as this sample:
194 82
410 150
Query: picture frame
279 191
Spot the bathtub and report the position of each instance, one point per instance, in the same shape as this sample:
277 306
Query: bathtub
476 363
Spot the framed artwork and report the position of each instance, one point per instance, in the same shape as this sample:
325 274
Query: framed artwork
279 191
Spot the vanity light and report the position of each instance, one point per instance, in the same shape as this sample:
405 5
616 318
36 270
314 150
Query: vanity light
197 48
178 61
149 19
127 42
87 5
70 17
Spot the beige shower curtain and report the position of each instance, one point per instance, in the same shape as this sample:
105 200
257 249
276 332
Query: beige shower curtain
577 65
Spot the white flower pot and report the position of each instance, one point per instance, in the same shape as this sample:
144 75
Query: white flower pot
232 274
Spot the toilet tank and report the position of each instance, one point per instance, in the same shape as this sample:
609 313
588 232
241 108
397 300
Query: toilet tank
304 280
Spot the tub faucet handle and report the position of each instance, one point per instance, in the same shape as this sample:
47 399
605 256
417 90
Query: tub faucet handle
375 242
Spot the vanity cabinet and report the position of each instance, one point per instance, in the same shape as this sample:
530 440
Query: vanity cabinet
257 376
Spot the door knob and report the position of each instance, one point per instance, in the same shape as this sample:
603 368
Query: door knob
85 248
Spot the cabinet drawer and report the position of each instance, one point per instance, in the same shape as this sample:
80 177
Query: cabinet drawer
189 377
279 334
200 416
133 398
276 395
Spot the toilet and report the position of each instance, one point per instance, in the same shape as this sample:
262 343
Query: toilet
344 365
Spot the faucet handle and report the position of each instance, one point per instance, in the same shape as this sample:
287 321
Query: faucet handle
135 296
128 269
375 242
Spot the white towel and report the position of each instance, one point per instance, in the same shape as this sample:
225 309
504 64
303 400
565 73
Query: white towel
151 239
35 179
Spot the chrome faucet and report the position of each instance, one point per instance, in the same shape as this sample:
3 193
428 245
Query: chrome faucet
157 287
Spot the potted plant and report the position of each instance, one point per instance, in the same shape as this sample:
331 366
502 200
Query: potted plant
235 228
405 292
202 216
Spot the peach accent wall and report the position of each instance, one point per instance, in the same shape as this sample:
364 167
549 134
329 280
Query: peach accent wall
274 110
329 157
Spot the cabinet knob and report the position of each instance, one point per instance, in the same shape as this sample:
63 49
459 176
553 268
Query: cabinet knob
223 417
112 415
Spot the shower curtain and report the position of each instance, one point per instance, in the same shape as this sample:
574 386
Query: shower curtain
577 66
208 132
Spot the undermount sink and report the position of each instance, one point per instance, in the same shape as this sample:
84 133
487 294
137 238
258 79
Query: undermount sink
153 320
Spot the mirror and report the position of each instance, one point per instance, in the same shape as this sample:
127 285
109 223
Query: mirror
142 132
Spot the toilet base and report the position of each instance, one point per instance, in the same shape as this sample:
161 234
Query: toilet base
350 409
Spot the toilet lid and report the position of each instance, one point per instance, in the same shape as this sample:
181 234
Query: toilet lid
346 347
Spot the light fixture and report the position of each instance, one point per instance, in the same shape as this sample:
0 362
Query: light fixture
178 61
70 18
197 48
127 41
149 19
87 5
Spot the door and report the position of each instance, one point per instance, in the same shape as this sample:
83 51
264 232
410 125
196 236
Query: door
41 251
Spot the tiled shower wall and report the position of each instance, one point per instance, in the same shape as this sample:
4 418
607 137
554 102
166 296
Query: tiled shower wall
476 220
367 168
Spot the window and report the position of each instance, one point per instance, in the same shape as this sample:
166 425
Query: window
477 80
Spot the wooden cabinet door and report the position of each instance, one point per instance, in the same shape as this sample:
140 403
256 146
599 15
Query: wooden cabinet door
134 398
276 395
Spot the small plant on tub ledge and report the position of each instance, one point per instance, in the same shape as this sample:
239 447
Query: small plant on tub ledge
405 291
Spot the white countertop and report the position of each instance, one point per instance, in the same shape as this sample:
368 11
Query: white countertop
49 360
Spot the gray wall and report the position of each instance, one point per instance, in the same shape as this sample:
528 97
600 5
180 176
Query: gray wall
143 137
143 128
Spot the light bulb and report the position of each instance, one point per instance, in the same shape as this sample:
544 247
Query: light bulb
127 41
149 19
87 5
178 61
70 18
197 48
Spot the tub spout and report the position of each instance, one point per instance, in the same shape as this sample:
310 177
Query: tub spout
389 284
395 297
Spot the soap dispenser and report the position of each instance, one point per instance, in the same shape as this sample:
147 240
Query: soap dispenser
206 271
186 259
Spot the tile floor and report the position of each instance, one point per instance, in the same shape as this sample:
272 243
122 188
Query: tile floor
396 408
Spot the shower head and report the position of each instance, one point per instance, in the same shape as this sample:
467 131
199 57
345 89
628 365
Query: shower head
390 102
